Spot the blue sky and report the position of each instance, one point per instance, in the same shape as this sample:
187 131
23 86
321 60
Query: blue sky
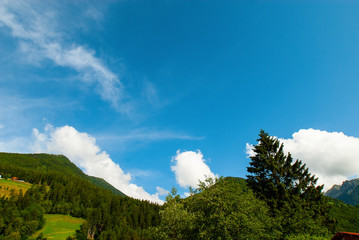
155 91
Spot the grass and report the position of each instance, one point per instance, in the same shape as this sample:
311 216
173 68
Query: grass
59 227
6 185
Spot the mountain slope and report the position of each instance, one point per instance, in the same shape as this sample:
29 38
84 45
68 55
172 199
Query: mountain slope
348 192
346 215
59 187
52 163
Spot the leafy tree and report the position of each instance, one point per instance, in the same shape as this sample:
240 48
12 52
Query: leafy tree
176 221
218 209
288 188
226 210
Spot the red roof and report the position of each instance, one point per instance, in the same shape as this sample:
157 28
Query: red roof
346 236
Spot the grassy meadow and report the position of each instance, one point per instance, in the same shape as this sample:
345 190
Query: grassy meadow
6 185
59 227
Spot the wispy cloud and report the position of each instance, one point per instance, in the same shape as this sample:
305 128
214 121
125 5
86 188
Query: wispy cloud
144 134
37 33
94 14
15 144
19 114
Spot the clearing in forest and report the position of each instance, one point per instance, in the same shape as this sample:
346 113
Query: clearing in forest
59 227
6 185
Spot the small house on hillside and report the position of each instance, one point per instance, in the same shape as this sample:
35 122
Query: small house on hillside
14 178
346 236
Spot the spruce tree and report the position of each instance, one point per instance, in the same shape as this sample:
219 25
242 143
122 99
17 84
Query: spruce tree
288 188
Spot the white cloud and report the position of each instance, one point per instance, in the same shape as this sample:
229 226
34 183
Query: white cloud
144 134
39 38
190 167
331 156
249 150
81 149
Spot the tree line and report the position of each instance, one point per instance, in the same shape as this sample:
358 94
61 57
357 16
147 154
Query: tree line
280 199
108 216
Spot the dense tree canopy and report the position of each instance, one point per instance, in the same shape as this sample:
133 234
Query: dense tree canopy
279 200
66 192
217 210
22 215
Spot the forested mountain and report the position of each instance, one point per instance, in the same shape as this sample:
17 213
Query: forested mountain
348 192
52 163
59 187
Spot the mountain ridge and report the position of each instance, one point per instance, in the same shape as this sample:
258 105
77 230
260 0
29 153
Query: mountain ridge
348 192
44 162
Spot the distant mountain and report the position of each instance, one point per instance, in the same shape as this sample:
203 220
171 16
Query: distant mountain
52 163
348 192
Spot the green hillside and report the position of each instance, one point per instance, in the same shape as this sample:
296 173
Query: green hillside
59 227
7 185
59 187
346 215
68 191
348 192
52 163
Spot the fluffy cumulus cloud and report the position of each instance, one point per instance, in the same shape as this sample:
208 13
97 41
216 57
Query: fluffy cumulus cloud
190 167
81 149
331 156
39 39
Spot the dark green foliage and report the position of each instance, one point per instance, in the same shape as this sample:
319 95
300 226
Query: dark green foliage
348 192
346 215
217 210
274 177
48 163
21 216
289 189
64 190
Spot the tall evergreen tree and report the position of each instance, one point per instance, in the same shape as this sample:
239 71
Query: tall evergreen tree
288 188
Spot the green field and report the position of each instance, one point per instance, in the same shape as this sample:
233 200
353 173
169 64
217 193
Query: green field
59 227
6 185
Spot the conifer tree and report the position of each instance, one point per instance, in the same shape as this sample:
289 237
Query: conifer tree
288 188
